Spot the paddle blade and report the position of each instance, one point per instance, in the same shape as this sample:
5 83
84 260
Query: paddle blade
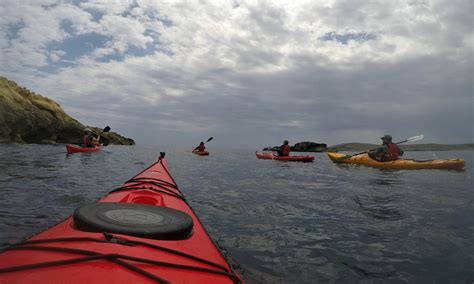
106 129
209 139
416 138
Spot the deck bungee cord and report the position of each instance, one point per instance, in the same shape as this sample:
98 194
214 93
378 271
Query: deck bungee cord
110 238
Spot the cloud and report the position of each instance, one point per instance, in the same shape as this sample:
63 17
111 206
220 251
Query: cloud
114 7
55 55
329 71
344 38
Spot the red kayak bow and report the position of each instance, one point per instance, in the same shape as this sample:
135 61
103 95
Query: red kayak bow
142 232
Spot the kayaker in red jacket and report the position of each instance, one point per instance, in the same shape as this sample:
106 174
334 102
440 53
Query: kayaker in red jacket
284 149
388 152
201 147
89 140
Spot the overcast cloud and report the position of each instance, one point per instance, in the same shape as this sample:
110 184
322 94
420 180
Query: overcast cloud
249 73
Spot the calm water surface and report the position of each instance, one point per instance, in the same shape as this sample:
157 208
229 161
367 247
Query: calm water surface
281 222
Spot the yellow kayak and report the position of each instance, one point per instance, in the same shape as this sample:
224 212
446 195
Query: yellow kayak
401 164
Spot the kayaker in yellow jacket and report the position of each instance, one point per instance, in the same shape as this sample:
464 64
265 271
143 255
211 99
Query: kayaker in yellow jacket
388 152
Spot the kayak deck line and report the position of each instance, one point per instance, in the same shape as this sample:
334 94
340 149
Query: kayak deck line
57 253
114 257
138 184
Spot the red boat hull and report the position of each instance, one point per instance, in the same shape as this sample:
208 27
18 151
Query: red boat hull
201 153
112 258
70 148
270 156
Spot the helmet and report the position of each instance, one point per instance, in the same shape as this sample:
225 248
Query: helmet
87 130
387 137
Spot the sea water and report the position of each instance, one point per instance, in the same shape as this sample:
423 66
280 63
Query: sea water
281 222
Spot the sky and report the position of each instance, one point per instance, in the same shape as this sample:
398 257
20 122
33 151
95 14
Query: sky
249 73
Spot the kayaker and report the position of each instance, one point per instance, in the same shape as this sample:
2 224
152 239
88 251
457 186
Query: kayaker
95 140
89 140
388 152
201 147
284 150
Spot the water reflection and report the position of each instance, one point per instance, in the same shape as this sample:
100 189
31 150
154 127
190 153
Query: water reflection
387 178
381 199
383 208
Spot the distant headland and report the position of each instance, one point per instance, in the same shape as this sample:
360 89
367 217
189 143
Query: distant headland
406 147
27 117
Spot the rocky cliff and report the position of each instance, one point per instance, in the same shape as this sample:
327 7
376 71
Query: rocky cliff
303 147
309 147
27 117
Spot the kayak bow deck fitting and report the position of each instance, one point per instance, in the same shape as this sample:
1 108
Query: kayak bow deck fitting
142 232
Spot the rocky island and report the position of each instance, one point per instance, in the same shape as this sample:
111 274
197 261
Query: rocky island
27 117
304 147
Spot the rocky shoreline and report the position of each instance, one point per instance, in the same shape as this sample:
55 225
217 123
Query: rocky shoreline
27 117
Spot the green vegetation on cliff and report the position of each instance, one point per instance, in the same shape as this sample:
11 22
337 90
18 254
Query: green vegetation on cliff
27 117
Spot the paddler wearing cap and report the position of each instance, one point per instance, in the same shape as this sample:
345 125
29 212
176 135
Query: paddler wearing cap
388 152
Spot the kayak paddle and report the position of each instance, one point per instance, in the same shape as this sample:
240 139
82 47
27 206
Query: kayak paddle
106 141
204 143
106 129
411 139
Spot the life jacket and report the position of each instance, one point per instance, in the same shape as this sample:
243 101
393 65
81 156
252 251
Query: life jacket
201 147
86 141
392 154
285 150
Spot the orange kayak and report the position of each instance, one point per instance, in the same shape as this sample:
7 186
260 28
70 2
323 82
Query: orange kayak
401 164
270 156
141 232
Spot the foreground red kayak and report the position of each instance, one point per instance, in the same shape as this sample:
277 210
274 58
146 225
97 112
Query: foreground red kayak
201 153
71 148
142 232
270 156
